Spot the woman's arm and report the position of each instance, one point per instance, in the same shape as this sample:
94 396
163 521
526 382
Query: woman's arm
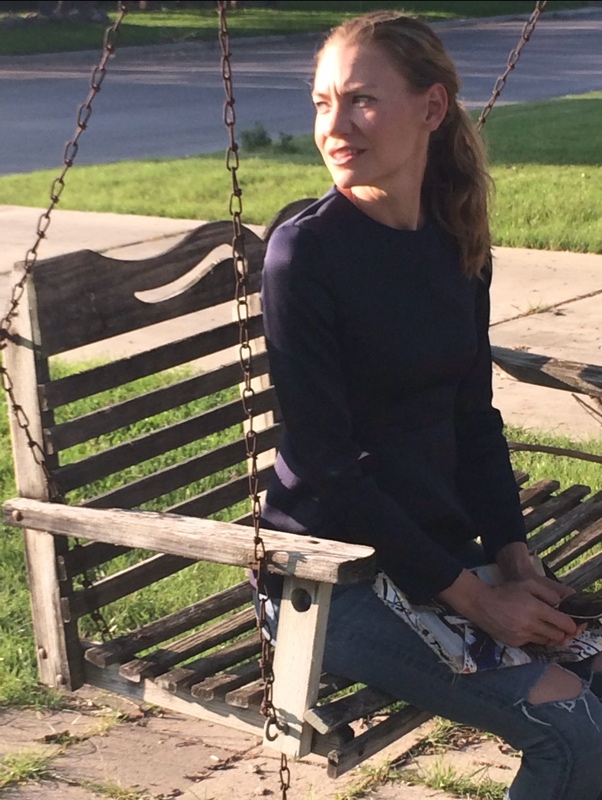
485 478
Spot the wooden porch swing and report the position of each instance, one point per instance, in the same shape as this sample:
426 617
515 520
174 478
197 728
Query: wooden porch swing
84 557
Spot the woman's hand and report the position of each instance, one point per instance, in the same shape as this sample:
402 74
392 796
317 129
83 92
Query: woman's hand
516 612
516 564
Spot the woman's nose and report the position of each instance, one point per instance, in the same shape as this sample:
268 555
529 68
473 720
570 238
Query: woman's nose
339 121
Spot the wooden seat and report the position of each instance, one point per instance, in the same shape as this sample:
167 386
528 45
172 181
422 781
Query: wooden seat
129 524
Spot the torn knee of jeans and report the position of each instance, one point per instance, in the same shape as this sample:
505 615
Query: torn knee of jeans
556 685
546 691
597 663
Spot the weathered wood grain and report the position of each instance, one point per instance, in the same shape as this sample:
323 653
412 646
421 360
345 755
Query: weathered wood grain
184 677
217 686
105 377
124 647
129 412
536 493
201 539
298 659
58 648
114 459
374 739
361 703
570 521
555 506
570 376
121 584
185 473
159 661
181 702
85 297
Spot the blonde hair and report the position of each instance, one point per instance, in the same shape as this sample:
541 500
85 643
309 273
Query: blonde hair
456 186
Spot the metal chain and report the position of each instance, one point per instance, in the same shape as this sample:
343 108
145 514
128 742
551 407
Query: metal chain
71 148
241 270
512 62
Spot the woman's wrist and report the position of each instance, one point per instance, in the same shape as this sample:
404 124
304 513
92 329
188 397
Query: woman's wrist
515 562
465 593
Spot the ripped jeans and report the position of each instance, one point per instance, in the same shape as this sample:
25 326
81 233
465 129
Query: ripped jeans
561 741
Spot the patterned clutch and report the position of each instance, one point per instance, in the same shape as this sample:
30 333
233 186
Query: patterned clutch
463 646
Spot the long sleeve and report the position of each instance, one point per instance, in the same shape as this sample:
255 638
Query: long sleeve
302 329
485 480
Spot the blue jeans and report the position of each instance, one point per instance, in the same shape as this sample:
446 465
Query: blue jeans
561 742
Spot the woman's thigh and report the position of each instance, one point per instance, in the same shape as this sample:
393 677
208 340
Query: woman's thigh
367 642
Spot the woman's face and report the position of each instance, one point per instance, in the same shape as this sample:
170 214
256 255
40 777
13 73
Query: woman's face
370 127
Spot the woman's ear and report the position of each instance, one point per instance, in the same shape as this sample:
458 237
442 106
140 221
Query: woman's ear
437 104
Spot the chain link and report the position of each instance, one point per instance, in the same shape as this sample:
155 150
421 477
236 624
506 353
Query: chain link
241 270
512 61
71 148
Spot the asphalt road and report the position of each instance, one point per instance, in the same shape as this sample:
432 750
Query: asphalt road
167 101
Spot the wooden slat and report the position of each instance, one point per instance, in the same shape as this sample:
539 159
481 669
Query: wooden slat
347 709
555 506
153 664
143 448
251 694
85 297
323 744
535 494
83 558
200 539
222 496
119 415
183 677
520 477
124 647
180 702
217 686
124 370
570 376
571 520
374 739
123 583
585 574
184 473
579 545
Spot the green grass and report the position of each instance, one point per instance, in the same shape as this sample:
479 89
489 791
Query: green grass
178 25
24 766
443 777
18 684
545 163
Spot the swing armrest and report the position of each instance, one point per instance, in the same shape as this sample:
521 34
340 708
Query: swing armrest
322 560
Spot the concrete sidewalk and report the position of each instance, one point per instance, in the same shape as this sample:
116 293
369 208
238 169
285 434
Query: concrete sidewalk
544 302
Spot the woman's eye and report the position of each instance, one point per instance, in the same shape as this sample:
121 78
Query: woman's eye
321 106
362 100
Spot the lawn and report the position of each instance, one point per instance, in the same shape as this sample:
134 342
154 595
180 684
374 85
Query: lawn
542 153
175 25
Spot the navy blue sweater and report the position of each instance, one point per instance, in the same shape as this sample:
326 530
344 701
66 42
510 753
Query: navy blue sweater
379 352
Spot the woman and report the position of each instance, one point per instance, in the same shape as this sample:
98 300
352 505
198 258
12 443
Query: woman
376 311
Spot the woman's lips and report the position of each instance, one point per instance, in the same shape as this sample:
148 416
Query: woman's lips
341 156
